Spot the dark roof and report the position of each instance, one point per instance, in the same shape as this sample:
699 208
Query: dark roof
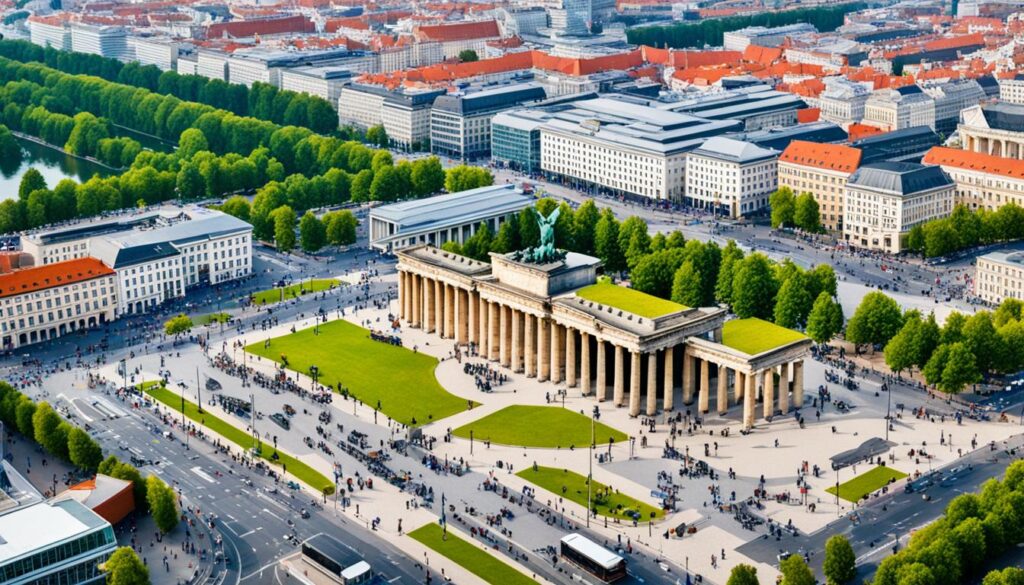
779 138
1004 116
490 100
900 177
908 90
143 253
896 136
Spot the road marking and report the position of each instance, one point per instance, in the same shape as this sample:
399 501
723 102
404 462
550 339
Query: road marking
395 579
273 514
199 471
80 411
257 529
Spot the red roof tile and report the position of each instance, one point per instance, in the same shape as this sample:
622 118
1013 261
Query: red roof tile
51 275
975 161
459 31
833 157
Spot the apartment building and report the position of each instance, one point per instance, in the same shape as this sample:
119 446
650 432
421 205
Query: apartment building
885 200
459 36
821 170
46 302
895 109
730 177
999 275
843 100
983 181
621 147
460 124
1011 90
103 40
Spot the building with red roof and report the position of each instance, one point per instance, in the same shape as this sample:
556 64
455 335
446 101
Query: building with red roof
460 36
983 181
110 498
821 170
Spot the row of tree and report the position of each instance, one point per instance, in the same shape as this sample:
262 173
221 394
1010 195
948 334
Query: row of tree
337 228
61 439
975 529
790 210
262 101
965 229
839 566
711 31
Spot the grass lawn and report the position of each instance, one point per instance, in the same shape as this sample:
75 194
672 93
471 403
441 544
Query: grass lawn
753 336
629 300
538 426
401 380
469 556
266 297
211 318
243 439
573 487
865 483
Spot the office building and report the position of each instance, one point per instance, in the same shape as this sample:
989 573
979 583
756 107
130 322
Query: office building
738 40
460 124
843 100
780 138
515 139
620 147
50 31
821 170
46 302
730 177
103 40
323 82
1011 90
161 52
453 217
999 275
896 109
757 106
571 17
54 542
885 200
951 98
983 181
404 112
907 145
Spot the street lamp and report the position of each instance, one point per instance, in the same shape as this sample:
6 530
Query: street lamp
590 475
470 441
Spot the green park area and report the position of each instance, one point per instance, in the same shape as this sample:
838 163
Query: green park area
400 380
629 300
753 336
538 426
573 487
469 556
293 291
865 483
243 439
212 318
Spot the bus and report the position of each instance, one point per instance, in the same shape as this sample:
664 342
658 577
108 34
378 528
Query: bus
593 558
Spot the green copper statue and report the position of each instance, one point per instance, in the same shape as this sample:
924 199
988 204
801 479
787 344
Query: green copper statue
545 252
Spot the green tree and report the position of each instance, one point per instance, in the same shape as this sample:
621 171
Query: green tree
192 141
754 288
796 572
825 320
361 185
189 182
381 159
806 214
783 207
507 238
125 568
936 364
731 256
377 135
427 176
24 414
743 574
794 302
478 246
927 339
163 504
10 150
312 233
840 564
284 228
981 338
46 425
386 185
341 228
237 206
83 451
686 285
877 320
960 370
464 177
468 56
1008 576
585 227
654 273
901 350
606 241
177 325
31 181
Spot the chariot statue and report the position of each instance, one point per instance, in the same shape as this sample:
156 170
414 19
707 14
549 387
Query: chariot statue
545 252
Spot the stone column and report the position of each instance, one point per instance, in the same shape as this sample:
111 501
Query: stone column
798 383
531 345
504 333
417 301
602 372
704 398
585 363
462 315
652 383
428 305
556 352
619 386
517 342
769 392
403 295
784 388
749 396
570 357
493 324
473 306
687 377
439 308
634 383
738 383
484 338
723 389
543 350
668 398
449 313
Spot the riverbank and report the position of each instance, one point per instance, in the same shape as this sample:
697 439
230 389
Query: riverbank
92 160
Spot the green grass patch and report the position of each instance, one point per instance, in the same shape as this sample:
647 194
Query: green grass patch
243 439
629 300
573 487
293 291
211 318
538 426
753 336
469 556
866 483
401 380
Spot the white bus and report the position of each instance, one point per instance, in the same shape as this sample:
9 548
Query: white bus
593 558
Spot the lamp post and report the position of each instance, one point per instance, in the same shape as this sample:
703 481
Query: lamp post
590 474
470 441
888 410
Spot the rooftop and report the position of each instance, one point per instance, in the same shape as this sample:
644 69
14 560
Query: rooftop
900 178
1014 258
458 31
833 157
975 161
451 209
753 336
720 147
629 300
47 276
31 528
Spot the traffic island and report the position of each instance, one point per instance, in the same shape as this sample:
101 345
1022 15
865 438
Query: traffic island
549 427
468 556
859 487
605 500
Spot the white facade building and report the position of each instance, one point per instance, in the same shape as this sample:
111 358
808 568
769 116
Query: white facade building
324 82
159 51
1010 90
731 177
896 109
102 40
843 101
738 40
1000 275
50 31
